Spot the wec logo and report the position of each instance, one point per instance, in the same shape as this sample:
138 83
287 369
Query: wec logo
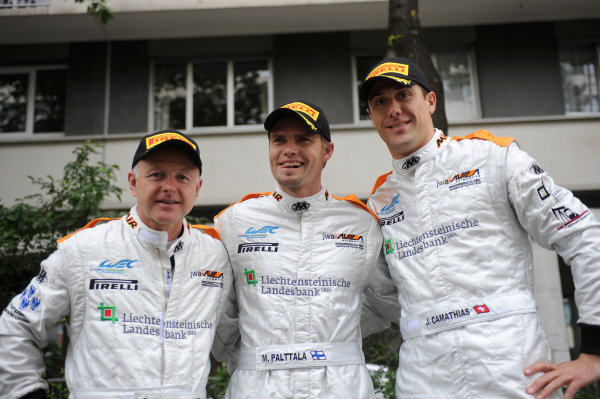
390 207
122 264
262 230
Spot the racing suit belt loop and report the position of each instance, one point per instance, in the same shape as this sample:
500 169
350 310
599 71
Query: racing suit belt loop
462 313
310 354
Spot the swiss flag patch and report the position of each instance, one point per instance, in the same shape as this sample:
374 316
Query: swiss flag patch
481 309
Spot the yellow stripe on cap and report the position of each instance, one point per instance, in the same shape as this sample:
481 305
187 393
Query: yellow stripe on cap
388 67
159 138
298 106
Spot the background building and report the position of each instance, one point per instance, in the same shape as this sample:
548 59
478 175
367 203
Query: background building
214 69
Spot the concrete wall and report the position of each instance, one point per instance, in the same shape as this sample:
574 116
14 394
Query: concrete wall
236 163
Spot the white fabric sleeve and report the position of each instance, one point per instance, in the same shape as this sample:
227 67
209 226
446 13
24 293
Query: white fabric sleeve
558 220
24 326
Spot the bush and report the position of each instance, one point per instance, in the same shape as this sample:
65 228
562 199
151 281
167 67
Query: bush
29 229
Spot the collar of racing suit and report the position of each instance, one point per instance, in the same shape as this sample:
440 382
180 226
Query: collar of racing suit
301 205
423 154
154 238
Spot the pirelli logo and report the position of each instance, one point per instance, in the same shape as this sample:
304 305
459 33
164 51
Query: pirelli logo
159 138
389 67
298 106
258 247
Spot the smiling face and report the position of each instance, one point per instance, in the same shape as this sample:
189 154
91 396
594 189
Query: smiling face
402 116
166 184
297 156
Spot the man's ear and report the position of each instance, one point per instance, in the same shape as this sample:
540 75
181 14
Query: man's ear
132 183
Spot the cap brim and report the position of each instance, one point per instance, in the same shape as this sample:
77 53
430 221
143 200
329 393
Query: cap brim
364 90
276 115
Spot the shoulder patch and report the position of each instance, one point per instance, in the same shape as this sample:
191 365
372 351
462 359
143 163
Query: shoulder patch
485 135
380 180
87 226
207 230
352 198
244 198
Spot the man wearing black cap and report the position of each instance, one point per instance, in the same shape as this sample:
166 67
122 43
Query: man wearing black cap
301 259
142 293
456 214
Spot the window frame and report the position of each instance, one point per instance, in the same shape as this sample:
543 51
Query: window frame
31 71
230 92
470 52
596 57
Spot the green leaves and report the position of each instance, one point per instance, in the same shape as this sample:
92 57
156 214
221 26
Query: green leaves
99 9
29 229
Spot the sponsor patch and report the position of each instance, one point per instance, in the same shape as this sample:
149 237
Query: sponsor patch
29 299
108 313
567 217
209 278
259 232
113 284
386 221
461 180
389 248
411 162
345 240
116 267
258 247
300 206
391 206
536 169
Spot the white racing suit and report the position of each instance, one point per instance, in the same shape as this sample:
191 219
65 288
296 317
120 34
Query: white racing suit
300 266
125 342
455 219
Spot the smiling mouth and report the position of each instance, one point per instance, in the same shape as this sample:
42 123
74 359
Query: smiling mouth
399 125
167 202
290 164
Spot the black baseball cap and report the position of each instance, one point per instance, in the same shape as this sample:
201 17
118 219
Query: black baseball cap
313 116
401 70
160 139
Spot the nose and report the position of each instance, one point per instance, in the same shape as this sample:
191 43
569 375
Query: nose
290 148
395 110
168 184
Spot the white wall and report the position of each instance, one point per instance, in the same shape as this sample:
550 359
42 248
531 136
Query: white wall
236 164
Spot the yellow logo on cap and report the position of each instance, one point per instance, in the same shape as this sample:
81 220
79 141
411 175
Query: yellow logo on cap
298 106
389 67
159 138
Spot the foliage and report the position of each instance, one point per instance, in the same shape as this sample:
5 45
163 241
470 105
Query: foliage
29 228
217 382
382 349
99 9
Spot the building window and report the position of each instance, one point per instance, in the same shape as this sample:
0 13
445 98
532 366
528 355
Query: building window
189 95
32 99
457 70
579 69
363 65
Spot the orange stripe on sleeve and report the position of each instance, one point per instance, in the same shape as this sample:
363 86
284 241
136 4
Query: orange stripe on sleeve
485 135
352 198
380 180
244 198
207 230
87 226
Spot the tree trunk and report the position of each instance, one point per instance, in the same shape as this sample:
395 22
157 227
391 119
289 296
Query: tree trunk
406 40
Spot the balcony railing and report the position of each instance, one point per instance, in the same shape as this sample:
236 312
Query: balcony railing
23 3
